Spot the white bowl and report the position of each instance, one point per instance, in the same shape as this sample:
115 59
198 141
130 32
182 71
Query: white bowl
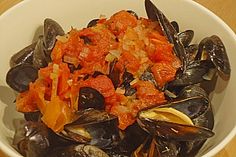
19 24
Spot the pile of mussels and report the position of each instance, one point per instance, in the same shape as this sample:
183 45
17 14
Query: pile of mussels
188 114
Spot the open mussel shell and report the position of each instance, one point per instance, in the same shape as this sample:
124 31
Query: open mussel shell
195 73
192 91
114 73
180 111
156 15
33 116
40 59
92 23
175 25
20 76
90 98
93 127
80 150
32 139
23 56
131 138
217 53
147 149
168 148
173 121
186 37
191 51
179 132
51 30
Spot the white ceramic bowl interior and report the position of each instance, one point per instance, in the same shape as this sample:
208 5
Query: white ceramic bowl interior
19 24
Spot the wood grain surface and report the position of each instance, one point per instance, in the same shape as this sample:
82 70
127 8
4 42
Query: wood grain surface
223 8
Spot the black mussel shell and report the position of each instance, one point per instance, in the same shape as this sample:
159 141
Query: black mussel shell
186 37
33 116
148 76
191 148
20 76
217 54
133 13
133 137
147 148
93 127
175 25
90 98
97 73
194 74
127 78
168 148
51 30
32 139
156 15
23 56
130 91
86 39
178 132
80 150
191 51
192 107
114 73
192 91
40 59
92 23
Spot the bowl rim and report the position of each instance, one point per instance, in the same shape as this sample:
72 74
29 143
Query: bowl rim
202 8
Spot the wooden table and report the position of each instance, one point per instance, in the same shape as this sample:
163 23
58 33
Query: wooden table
223 8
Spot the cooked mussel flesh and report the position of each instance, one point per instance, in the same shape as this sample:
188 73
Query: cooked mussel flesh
170 123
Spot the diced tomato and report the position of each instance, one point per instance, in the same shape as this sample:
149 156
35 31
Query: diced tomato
124 115
160 52
163 73
129 62
25 102
148 93
101 83
63 78
119 22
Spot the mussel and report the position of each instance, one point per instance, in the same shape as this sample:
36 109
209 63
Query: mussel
170 32
173 121
90 98
216 51
80 150
93 127
20 76
23 56
25 64
32 139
